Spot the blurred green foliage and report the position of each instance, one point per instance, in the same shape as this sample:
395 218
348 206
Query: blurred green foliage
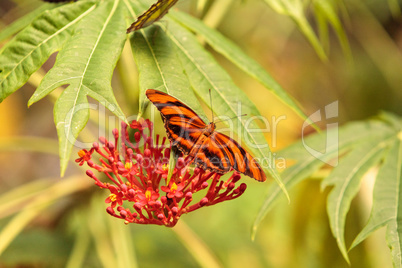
357 63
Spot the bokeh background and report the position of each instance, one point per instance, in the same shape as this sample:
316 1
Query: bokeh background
366 81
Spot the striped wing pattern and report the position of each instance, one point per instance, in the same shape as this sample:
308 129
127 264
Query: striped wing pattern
183 126
209 149
153 14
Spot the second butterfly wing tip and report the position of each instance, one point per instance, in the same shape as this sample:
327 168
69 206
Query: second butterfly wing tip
260 178
132 28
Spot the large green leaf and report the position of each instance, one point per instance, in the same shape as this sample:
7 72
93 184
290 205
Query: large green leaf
347 178
295 10
23 22
23 55
229 101
159 65
301 164
387 207
177 48
36 204
233 53
86 63
325 12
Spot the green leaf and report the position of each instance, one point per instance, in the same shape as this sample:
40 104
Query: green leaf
326 13
387 198
290 177
35 206
161 55
294 9
305 164
32 47
347 178
77 226
233 53
196 247
86 63
160 67
229 101
22 22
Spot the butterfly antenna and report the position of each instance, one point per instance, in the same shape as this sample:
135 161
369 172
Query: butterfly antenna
210 100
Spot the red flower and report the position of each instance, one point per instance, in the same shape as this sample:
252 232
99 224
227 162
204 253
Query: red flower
84 156
115 197
173 190
138 173
148 196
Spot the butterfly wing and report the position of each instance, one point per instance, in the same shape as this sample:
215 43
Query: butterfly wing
219 153
210 149
153 14
183 126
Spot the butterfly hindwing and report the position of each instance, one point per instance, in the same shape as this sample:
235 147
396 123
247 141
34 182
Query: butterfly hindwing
239 158
153 14
209 149
212 155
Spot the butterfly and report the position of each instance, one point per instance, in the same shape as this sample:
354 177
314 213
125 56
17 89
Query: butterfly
154 13
208 148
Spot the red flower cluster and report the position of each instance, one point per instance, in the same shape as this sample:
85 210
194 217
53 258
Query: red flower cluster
140 190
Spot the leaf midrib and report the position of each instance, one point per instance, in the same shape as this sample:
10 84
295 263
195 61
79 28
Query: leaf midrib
116 2
149 47
346 183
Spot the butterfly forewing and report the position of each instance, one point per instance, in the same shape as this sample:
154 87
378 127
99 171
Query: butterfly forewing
209 149
183 125
153 14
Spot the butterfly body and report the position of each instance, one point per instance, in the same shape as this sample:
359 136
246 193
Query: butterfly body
153 14
208 148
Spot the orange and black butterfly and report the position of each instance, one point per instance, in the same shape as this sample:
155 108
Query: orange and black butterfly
153 14
209 149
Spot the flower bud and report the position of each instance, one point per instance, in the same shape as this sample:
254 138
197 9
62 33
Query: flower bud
102 140
137 136
123 187
90 173
175 210
189 195
204 201
231 186
115 133
110 145
158 204
147 153
236 177
110 211
123 214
